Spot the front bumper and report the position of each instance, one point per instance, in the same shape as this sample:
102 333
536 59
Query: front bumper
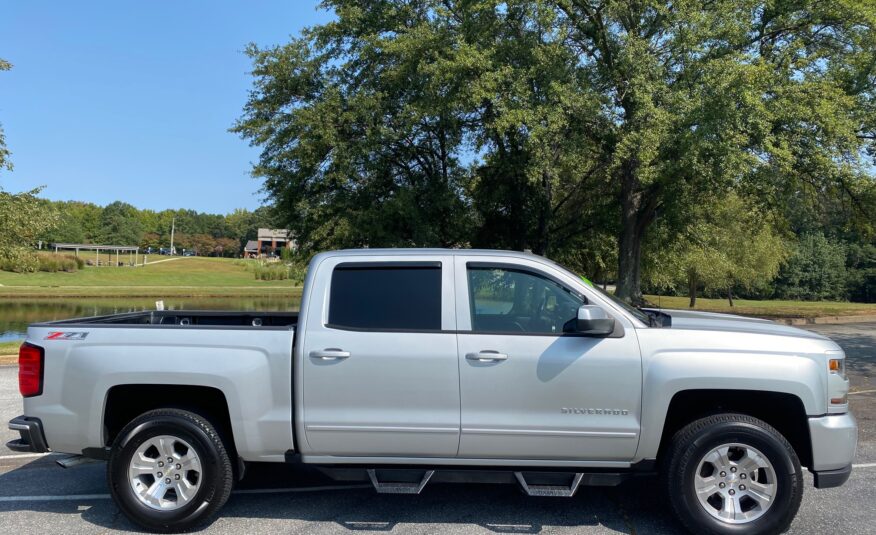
32 437
834 441
826 479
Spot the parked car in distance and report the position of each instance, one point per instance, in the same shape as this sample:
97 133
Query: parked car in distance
406 367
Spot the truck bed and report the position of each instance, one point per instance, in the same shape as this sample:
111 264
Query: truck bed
183 318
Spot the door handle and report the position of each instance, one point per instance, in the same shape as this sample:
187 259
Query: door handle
487 355
330 354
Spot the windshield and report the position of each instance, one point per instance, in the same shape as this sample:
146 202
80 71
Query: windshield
639 315
635 312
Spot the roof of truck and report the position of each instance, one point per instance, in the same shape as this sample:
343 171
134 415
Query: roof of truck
426 251
400 251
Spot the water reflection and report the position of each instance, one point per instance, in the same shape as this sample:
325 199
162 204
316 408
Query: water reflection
16 314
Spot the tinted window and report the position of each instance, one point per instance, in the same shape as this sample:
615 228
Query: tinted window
508 300
386 297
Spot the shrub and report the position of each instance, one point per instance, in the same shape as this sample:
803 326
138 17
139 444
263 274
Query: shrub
19 260
272 273
59 262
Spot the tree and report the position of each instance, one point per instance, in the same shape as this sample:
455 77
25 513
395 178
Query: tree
68 230
861 268
815 270
360 148
243 224
120 225
203 244
23 218
227 247
87 216
757 95
568 110
726 245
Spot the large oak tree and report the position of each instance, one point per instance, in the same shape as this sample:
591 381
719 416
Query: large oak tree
547 124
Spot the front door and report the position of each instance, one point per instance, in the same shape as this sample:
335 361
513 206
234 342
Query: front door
380 370
529 390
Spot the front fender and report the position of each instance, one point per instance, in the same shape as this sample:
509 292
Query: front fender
668 373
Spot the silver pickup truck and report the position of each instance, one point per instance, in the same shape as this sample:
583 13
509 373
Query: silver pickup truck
406 367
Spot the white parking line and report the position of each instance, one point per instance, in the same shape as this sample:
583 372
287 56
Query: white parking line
23 456
865 465
67 497
862 392
74 497
302 489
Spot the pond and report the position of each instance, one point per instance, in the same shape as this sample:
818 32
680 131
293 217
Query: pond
17 314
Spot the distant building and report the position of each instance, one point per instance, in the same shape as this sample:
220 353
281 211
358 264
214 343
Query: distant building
251 249
269 242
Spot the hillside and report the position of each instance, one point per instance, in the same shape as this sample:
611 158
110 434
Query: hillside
193 276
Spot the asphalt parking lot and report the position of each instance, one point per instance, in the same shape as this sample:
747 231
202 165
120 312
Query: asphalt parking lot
37 496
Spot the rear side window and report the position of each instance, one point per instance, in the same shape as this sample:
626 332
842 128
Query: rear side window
387 297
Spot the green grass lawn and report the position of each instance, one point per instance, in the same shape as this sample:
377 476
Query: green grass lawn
9 348
192 276
769 309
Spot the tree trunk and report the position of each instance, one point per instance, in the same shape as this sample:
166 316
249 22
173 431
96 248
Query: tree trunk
629 283
634 220
730 295
692 288
542 238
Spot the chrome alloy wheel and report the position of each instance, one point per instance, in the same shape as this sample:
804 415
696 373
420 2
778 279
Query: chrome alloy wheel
735 483
165 472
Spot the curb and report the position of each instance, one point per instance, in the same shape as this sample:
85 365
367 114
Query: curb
7 360
826 320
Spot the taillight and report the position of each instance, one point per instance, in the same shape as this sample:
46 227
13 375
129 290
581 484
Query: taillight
30 370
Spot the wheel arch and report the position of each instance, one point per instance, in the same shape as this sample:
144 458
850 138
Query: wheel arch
125 402
785 412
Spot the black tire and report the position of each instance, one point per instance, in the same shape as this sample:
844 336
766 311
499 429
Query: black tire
694 441
216 479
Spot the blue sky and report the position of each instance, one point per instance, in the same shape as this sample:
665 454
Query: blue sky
132 101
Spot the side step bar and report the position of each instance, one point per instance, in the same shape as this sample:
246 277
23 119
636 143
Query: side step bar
561 485
399 487
555 491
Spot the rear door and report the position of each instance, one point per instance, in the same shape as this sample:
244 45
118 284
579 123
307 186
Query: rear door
380 373
530 390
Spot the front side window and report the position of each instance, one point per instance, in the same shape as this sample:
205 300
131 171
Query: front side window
388 297
518 301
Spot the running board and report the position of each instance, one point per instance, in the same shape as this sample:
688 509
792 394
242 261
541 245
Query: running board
399 487
556 491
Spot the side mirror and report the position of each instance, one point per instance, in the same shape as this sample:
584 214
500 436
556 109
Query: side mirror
594 321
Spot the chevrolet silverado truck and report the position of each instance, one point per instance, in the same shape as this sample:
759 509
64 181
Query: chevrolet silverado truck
406 367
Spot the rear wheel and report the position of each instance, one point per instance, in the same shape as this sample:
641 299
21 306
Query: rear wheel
169 470
733 474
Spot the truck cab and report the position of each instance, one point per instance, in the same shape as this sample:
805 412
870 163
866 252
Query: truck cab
462 356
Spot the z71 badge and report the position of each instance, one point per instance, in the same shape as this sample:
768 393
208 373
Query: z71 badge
61 335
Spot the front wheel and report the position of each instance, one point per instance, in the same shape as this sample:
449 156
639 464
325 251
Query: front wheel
733 474
169 470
